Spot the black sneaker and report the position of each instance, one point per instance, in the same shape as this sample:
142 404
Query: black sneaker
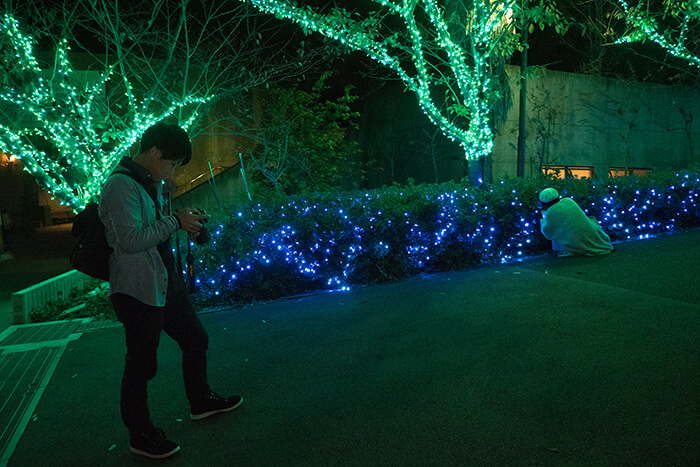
214 404
153 444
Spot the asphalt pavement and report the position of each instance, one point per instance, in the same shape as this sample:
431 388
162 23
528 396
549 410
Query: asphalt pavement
549 361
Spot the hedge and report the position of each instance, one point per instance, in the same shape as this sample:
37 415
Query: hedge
272 249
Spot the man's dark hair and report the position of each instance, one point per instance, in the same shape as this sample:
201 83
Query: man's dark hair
170 139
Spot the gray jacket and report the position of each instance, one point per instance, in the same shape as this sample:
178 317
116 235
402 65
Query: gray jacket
129 216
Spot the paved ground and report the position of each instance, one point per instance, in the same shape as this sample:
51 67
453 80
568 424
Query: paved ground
552 361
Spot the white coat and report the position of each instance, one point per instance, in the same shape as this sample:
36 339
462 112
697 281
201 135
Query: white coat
572 232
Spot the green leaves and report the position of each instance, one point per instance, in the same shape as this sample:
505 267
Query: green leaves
674 26
545 14
269 249
301 144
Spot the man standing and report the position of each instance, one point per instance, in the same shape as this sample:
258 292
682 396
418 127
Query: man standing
568 227
147 292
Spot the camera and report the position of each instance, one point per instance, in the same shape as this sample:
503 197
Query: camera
203 236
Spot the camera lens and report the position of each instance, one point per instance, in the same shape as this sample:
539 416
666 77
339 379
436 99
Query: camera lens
203 236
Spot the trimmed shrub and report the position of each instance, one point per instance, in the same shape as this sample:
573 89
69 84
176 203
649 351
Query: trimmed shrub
273 249
94 294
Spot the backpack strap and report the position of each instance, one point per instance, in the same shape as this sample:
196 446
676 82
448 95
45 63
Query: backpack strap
122 169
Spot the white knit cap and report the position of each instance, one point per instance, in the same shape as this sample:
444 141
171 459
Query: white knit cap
548 195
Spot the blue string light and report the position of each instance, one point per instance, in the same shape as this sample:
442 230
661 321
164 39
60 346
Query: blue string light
334 243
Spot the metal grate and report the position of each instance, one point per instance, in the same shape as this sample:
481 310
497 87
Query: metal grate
29 355
42 332
24 376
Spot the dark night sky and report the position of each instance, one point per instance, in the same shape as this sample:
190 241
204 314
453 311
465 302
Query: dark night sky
546 49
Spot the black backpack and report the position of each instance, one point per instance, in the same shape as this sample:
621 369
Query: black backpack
90 253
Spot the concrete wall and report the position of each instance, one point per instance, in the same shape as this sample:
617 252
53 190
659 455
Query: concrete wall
572 120
580 120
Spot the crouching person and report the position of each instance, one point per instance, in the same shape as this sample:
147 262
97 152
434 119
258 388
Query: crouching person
570 230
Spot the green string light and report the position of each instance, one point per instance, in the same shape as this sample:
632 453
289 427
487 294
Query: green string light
59 137
468 82
645 27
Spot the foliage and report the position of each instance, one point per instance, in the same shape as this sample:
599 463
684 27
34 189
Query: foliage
274 249
528 14
262 251
672 24
300 138
94 295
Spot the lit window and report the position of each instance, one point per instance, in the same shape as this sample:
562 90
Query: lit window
624 171
563 171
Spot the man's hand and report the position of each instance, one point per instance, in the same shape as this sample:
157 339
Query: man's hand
191 221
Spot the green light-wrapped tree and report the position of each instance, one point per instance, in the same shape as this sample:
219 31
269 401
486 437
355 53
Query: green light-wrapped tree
446 52
145 61
673 24
55 121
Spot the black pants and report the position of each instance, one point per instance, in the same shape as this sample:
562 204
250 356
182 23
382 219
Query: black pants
143 325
